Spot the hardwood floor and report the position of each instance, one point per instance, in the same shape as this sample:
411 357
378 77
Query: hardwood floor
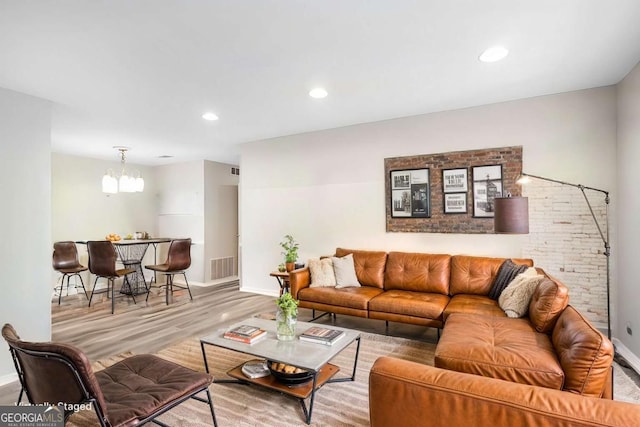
147 327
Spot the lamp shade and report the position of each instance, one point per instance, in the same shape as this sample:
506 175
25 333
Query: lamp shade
511 215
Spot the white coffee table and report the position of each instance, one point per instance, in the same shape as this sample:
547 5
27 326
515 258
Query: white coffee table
305 355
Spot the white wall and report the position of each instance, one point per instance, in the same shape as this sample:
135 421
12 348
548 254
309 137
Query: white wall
25 255
327 188
628 290
181 208
221 213
81 211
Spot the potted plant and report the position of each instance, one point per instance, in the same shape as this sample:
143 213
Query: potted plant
290 252
286 317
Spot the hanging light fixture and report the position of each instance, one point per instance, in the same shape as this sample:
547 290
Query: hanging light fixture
124 183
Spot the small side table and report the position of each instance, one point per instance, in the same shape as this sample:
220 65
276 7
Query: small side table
283 281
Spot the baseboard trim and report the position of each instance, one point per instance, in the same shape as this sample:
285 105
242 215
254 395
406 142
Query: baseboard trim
259 291
628 355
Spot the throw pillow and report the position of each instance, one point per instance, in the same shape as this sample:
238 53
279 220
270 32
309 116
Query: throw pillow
321 271
345 272
515 299
506 273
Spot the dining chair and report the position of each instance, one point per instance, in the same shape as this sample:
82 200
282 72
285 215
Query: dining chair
178 260
131 392
102 263
65 261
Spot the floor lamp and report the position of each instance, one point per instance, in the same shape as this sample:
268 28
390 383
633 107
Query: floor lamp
511 216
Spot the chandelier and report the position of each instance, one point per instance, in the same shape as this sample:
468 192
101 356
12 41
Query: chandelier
125 183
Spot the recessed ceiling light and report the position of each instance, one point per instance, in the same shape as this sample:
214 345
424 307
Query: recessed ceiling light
318 93
493 54
210 116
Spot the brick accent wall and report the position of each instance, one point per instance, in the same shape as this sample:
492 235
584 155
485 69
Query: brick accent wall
564 240
509 157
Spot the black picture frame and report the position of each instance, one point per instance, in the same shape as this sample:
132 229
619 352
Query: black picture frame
410 195
487 185
455 203
455 180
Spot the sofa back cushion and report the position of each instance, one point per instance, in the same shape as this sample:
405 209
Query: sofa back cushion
584 353
369 266
547 304
417 272
475 275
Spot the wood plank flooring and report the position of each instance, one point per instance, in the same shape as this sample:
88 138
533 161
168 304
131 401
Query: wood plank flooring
148 327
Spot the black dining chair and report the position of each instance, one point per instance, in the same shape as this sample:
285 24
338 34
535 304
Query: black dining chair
65 261
102 263
178 260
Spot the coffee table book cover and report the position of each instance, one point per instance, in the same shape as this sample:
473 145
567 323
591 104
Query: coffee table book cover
245 333
321 335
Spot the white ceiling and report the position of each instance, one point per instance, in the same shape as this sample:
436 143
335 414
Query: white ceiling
140 73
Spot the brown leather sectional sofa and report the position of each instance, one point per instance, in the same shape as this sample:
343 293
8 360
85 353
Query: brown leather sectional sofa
554 347
403 393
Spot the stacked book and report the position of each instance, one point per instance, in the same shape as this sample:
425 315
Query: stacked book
320 335
245 333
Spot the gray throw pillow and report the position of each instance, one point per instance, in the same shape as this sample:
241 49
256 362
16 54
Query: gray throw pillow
345 272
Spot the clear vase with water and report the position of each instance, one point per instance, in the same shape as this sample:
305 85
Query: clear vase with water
286 324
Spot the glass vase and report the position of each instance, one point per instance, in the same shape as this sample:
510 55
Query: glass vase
286 325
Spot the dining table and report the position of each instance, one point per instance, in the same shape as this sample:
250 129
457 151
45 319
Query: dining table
130 254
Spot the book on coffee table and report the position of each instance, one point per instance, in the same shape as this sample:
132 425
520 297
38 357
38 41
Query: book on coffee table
245 333
256 369
320 335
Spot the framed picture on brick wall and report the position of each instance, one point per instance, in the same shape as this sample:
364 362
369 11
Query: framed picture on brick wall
410 193
455 203
487 185
454 180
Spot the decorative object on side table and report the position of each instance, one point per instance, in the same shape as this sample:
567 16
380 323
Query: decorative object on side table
290 253
282 268
286 317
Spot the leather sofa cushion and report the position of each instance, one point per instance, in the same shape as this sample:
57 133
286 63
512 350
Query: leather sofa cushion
473 304
417 304
369 265
475 275
547 304
417 272
584 353
354 297
499 347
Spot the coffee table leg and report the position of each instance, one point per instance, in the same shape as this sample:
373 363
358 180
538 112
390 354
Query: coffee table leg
204 356
307 412
355 366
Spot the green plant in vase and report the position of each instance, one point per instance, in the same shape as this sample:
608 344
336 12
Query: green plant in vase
290 252
286 317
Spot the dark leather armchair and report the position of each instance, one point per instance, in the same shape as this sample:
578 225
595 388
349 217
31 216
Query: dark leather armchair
178 260
65 261
133 391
